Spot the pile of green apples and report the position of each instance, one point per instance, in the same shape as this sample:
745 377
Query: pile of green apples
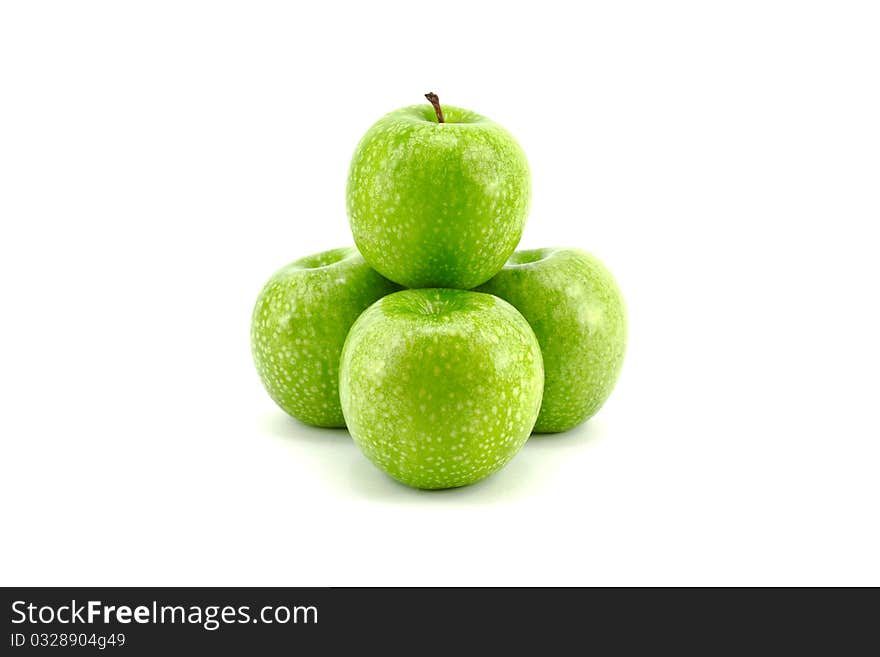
437 346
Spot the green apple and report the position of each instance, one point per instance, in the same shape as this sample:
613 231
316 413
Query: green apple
575 308
299 326
440 388
437 203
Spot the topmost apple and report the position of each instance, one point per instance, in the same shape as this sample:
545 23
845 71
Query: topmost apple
437 196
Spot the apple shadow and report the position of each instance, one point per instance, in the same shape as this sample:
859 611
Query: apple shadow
339 460
325 449
536 464
508 484
284 427
580 436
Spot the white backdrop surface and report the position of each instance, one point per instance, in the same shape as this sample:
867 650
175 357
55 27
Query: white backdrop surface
158 161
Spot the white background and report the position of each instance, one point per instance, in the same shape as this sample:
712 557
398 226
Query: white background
159 160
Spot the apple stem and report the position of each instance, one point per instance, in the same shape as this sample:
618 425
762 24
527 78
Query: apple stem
434 99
